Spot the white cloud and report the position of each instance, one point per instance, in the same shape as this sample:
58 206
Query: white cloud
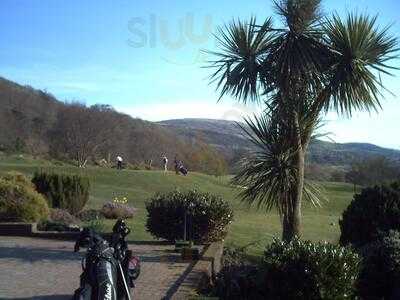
188 109
376 128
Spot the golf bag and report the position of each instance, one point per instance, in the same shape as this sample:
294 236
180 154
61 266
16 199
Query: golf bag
109 269
183 170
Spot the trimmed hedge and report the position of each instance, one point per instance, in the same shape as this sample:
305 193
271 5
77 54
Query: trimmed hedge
208 216
70 192
306 270
19 202
375 210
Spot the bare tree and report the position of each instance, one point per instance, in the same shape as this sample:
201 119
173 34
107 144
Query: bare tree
81 131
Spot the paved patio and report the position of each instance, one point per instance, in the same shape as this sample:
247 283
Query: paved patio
34 268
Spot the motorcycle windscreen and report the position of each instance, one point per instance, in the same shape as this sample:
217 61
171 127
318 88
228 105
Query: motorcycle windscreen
106 280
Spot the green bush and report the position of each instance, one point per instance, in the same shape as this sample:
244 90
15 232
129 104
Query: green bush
57 226
19 202
304 270
97 225
380 273
374 210
207 221
238 278
90 215
239 281
18 178
70 192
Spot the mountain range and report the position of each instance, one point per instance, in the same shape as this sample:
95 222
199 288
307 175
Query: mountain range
227 136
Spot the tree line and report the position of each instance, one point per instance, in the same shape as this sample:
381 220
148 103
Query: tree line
35 122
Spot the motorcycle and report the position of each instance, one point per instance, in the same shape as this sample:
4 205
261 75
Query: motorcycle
109 267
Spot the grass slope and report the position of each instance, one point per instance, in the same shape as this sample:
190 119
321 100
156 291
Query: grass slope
249 226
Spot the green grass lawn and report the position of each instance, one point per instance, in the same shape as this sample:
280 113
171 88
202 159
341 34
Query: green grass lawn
249 225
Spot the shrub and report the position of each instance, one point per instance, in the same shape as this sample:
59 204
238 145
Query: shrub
234 256
207 221
375 209
18 178
97 225
380 272
62 216
304 270
70 192
57 226
238 282
90 214
238 278
20 202
115 210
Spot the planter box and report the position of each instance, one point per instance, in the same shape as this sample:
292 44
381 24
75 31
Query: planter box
24 229
30 229
188 253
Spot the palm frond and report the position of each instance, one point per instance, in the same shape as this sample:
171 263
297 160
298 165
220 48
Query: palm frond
299 15
269 173
362 51
238 65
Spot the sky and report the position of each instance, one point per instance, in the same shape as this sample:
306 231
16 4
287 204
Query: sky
145 57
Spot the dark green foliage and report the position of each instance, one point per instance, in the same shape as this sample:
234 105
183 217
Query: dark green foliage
380 273
234 256
238 278
90 215
238 281
207 221
18 178
70 192
375 209
19 202
56 226
304 270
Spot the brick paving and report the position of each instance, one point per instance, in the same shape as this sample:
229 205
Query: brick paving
32 268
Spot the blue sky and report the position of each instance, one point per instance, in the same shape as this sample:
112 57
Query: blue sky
143 57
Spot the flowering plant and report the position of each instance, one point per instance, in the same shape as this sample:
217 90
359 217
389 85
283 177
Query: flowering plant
118 209
122 200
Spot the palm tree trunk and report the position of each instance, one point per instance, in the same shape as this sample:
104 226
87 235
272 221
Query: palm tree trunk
291 219
297 224
287 227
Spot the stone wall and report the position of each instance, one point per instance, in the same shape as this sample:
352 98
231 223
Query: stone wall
202 272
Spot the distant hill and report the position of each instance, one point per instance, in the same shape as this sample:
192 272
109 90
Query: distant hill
28 118
228 137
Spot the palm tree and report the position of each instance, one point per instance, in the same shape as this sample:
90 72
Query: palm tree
311 65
